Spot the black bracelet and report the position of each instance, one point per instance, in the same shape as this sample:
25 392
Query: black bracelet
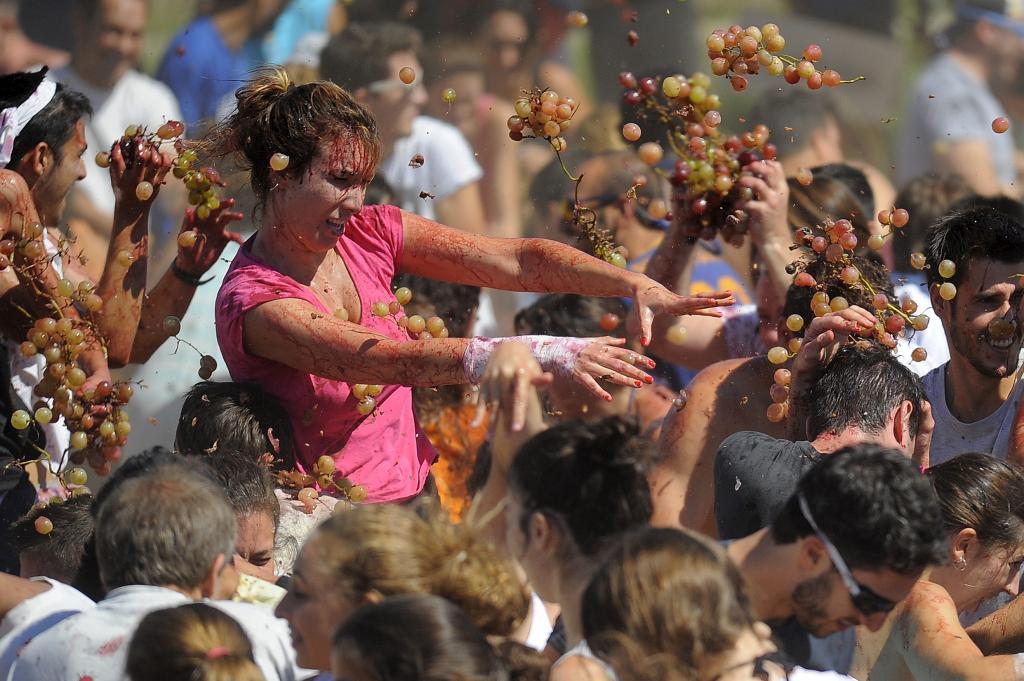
190 279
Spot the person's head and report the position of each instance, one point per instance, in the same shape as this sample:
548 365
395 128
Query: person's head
332 146
259 14
238 418
449 62
927 199
57 555
571 315
373 552
837 190
992 30
800 123
365 59
48 149
504 31
669 604
192 642
799 299
867 391
170 527
862 521
456 304
250 491
571 489
421 638
552 216
981 321
982 500
108 38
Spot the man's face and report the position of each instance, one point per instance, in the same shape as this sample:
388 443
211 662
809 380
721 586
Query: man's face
111 40
822 605
982 321
254 547
394 104
50 190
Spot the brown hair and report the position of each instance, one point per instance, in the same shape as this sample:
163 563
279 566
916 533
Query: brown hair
274 115
393 551
358 56
193 642
980 492
928 199
828 197
663 603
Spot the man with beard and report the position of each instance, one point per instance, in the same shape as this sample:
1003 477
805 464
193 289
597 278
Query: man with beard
846 547
986 247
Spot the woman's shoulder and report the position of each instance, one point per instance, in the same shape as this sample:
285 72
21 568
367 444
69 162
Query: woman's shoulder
926 606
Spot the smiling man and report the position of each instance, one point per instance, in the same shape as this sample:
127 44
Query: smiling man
982 330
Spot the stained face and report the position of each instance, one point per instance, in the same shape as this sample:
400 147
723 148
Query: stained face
310 210
983 320
50 191
989 571
254 547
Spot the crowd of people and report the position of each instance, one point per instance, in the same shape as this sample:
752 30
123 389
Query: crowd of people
323 370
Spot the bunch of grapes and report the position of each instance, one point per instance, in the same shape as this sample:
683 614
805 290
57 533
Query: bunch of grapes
327 478
416 325
96 418
738 52
709 163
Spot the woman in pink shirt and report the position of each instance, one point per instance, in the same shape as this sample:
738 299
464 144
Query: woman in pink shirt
319 251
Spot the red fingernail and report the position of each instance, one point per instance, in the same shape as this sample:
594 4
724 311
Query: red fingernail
608 398
638 384
649 379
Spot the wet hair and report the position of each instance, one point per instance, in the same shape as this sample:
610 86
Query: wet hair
426 638
570 315
837 191
980 492
859 388
239 419
54 125
192 642
358 56
927 199
802 112
248 485
592 476
391 550
663 604
874 505
983 233
60 552
273 115
163 528
871 268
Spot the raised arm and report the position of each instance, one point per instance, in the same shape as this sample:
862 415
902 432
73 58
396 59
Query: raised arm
539 265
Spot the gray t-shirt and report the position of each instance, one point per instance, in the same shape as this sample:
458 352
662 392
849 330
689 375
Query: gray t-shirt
990 435
950 105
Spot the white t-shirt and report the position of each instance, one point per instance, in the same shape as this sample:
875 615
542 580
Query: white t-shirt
448 165
540 624
990 435
35 615
94 643
932 339
136 99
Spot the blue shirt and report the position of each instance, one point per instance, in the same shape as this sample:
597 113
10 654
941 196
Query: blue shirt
299 18
200 69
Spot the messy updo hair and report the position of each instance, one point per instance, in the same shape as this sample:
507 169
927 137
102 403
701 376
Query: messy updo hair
274 115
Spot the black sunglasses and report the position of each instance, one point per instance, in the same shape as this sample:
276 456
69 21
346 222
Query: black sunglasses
864 599
767 667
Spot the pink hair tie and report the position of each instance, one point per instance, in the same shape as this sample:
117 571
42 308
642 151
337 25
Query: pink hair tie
216 652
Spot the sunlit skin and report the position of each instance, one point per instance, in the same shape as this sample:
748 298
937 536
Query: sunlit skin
312 611
923 638
988 291
51 173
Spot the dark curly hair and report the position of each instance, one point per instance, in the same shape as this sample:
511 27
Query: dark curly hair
569 315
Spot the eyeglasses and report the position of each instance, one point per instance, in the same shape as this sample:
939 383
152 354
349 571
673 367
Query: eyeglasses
864 599
379 87
767 667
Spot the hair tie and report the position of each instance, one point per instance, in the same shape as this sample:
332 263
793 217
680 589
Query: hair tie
217 652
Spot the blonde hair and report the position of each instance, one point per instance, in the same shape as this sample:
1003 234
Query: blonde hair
193 642
276 116
391 551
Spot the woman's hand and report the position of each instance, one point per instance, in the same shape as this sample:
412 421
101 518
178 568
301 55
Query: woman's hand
651 298
768 212
510 375
211 236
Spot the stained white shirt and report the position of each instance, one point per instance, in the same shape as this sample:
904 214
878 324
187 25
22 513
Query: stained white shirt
94 643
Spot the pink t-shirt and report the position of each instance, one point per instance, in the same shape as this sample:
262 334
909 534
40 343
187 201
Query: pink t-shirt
385 451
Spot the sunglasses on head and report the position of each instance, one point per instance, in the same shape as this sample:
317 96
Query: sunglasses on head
864 599
767 667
